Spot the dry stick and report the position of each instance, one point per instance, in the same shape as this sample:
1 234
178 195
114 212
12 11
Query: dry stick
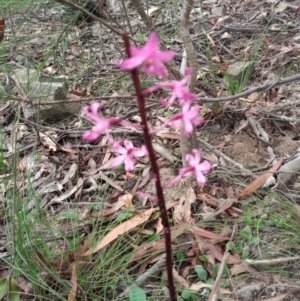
188 143
127 18
139 7
214 292
159 191
245 172
77 7
260 88
144 277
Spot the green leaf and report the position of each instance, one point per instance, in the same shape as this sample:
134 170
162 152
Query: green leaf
239 244
201 272
216 268
206 292
254 241
153 237
258 222
245 254
225 284
247 220
137 294
203 258
124 216
14 294
247 210
3 287
180 256
121 168
229 246
186 294
210 281
245 233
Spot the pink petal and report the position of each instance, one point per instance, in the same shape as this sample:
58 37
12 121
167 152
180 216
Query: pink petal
172 182
139 152
118 148
131 63
200 179
90 136
188 127
165 56
128 144
117 161
129 164
156 68
153 41
205 167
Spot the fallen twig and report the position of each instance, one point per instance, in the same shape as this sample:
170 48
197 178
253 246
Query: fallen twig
260 88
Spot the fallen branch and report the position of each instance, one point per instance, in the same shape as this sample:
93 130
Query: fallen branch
260 88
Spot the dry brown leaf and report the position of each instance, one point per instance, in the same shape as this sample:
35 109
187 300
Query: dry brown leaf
182 282
218 254
153 246
151 10
277 298
159 226
121 229
127 198
260 181
151 261
24 285
117 206
223 208
207 234
81 248
182 212
72 293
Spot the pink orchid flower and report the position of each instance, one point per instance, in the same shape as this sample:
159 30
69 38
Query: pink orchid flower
101 125
148 56
128 154
189 118
197 168
179 90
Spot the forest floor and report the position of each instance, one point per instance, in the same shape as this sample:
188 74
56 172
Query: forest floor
72 228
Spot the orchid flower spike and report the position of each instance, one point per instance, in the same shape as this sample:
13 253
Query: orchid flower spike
200 169
188 117
128 154
178 88
101 126
149 56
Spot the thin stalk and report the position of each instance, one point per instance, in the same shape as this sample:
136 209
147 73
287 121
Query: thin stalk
159 191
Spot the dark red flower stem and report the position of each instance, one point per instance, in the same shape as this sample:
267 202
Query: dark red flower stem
159 191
